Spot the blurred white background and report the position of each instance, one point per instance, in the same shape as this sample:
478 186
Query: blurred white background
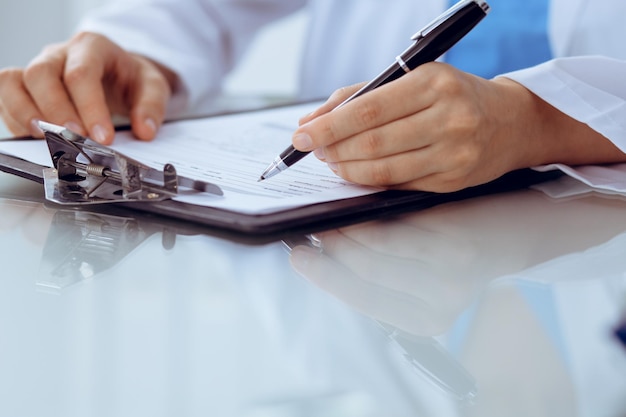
27 25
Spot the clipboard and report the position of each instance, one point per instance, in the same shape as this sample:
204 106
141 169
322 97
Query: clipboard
299 220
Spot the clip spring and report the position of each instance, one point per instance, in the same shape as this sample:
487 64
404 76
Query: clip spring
88 173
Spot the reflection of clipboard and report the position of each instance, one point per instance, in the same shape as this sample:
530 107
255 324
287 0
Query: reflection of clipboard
138 187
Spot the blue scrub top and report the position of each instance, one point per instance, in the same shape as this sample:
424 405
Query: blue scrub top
514 35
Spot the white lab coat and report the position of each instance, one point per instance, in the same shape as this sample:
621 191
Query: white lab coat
350 41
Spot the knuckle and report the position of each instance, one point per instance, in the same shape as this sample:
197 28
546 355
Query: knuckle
44 64
49 50
35 71
373 144
338 93
381 173
446 187
344 92
158 83
76 74
367 113
455 183
337 96
465 158
447 81
330 135
10 75
328 132
443 183
82 37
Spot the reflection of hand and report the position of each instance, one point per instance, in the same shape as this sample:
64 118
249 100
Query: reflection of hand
31 218
440 129
418 272
400 292
79 83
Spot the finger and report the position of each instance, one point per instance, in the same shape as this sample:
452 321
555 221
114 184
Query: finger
438 167
390 171
400 237
335 278
403 135
373 109
445 182
17 108
87 61
149 101
428 244
18 129
409 171
43 80
335 99
403 274
399 308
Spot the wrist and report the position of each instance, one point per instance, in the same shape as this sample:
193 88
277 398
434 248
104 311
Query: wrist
528 123
546 135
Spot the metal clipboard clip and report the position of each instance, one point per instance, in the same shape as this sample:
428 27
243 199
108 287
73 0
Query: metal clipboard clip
85 172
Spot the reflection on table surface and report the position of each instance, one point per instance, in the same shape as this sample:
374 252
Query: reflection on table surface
503 305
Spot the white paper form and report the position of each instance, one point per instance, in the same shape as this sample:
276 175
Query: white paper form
231 151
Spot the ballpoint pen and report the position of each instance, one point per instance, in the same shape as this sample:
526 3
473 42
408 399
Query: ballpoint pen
429 44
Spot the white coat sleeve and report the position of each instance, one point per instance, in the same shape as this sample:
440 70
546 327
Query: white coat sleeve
200 40
590 89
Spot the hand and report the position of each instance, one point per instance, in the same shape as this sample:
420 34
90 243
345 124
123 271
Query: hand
389 271
30 220
79 84
440 129
419 271
401 272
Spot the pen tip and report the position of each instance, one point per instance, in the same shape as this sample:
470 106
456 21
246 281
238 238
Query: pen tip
260 179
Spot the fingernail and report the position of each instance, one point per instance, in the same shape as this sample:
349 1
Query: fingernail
151 124
35 130
303 142
333 166
320 154
99 134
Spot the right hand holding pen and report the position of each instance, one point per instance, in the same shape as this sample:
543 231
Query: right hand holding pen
79 84
441 129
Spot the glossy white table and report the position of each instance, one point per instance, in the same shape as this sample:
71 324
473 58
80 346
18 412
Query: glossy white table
499 306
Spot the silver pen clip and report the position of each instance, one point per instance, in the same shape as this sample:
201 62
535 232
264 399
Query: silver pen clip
446 15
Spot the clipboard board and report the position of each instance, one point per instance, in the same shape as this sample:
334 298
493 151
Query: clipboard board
287 222
306 219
